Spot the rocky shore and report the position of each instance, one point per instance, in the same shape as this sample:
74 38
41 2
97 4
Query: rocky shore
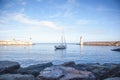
10 70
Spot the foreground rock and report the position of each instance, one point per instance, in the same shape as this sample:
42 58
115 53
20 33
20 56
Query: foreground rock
100 71
67 71
114 78
8 66
34 69
64 73
16 77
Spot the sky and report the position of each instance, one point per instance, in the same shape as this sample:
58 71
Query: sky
45 21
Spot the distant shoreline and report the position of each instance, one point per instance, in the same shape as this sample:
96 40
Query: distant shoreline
89 43
102 43
15 42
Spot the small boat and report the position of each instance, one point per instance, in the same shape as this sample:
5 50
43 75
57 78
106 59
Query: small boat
118 49
62 45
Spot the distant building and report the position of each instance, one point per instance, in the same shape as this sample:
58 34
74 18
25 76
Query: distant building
81 41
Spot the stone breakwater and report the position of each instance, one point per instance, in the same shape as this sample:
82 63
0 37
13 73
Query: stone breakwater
67 71
102 43
15 42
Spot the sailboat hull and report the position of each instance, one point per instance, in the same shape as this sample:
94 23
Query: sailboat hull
60 47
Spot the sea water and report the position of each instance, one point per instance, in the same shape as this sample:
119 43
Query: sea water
42 53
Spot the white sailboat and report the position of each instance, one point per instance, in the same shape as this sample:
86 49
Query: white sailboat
62 45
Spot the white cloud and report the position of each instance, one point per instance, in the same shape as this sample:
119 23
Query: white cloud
22 10
66 10
4 18
71 1
102 8
86 22
2 21
32 22
9 5
23 3
69 7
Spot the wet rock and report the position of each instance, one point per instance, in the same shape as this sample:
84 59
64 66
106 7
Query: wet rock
85 67
73 74
16 77
51 73
79 67
64 73
8 66
68 63
34 69
114 69
100 71
113 78
105 70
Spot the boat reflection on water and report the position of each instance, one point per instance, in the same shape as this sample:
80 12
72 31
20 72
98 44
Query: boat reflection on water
61 52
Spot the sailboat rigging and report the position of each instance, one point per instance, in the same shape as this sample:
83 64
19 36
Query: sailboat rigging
62 45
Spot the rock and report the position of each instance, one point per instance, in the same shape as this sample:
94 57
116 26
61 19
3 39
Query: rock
64 73
51 73
16 77
68 63
84 67
8 66
34 69
114 69
73 74
100 71
105 70
113 78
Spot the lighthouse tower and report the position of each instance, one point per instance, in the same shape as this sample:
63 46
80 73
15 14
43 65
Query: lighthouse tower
81 42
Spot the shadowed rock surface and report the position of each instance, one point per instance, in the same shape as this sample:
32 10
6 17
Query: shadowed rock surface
8 66
64 73
34 69
113 78
16 77
67 71
100 71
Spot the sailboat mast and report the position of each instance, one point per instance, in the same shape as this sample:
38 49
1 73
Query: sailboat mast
62 39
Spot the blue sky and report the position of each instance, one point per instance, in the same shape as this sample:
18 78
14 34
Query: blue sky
45 20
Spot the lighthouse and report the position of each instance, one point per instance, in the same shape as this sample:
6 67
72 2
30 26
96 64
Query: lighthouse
81 42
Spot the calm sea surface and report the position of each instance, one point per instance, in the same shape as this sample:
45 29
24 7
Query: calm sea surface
40 53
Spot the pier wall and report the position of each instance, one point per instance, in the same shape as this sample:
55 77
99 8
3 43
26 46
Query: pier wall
14 42
103 43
